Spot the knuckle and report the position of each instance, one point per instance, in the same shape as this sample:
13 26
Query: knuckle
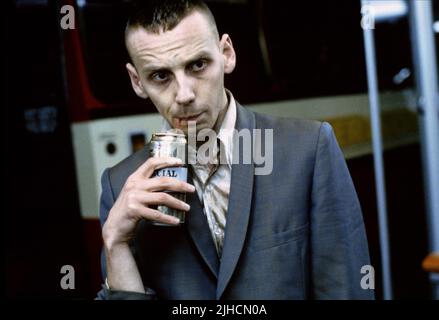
130 184
132 176
156 215
152 162
132 211
131 206
162 197
166 181
131 197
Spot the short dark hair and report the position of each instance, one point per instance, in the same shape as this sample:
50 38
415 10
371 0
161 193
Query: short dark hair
163 15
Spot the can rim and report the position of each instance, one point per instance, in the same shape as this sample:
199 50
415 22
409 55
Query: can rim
164 134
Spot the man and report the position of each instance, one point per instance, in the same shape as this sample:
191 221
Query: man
296 233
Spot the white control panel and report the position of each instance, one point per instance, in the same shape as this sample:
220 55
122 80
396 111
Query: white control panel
100 144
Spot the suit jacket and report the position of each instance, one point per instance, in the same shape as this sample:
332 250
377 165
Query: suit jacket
297 233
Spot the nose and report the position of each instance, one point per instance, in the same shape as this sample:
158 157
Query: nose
185 92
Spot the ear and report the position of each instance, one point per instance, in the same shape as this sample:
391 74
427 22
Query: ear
228 52
135 81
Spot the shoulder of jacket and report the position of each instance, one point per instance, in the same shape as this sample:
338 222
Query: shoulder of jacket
289 126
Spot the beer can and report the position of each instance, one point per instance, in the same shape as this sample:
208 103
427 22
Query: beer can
170 144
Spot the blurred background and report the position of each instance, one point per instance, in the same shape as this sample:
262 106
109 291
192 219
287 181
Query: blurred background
70 112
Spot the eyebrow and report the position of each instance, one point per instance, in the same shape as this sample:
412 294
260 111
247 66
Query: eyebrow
198 56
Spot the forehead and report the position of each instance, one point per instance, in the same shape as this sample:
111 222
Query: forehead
192 36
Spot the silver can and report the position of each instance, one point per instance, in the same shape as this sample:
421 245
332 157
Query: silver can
170 144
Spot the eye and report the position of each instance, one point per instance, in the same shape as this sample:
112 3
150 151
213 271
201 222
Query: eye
159 76
199 65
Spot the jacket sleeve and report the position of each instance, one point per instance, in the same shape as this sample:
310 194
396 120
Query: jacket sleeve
339 246
106 203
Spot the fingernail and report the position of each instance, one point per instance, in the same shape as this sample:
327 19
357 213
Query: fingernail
187 207
191 188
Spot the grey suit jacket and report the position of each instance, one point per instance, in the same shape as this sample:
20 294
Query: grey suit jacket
297 233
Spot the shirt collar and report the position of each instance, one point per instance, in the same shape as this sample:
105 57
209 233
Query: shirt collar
225 133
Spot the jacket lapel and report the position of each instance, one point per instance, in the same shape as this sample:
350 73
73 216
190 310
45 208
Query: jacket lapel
241 190
198 228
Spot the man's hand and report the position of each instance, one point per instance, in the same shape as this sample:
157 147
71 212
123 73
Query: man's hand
138 194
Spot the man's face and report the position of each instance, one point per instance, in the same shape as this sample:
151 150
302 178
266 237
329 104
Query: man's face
182 71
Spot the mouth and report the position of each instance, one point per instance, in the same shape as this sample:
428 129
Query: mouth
183 121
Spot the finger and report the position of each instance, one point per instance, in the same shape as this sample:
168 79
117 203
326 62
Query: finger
155 163
157 216
162 198
165 184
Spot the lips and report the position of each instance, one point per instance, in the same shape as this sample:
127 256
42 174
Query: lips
189 118
183 121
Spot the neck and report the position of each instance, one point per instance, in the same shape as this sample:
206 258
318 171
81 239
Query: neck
222 113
